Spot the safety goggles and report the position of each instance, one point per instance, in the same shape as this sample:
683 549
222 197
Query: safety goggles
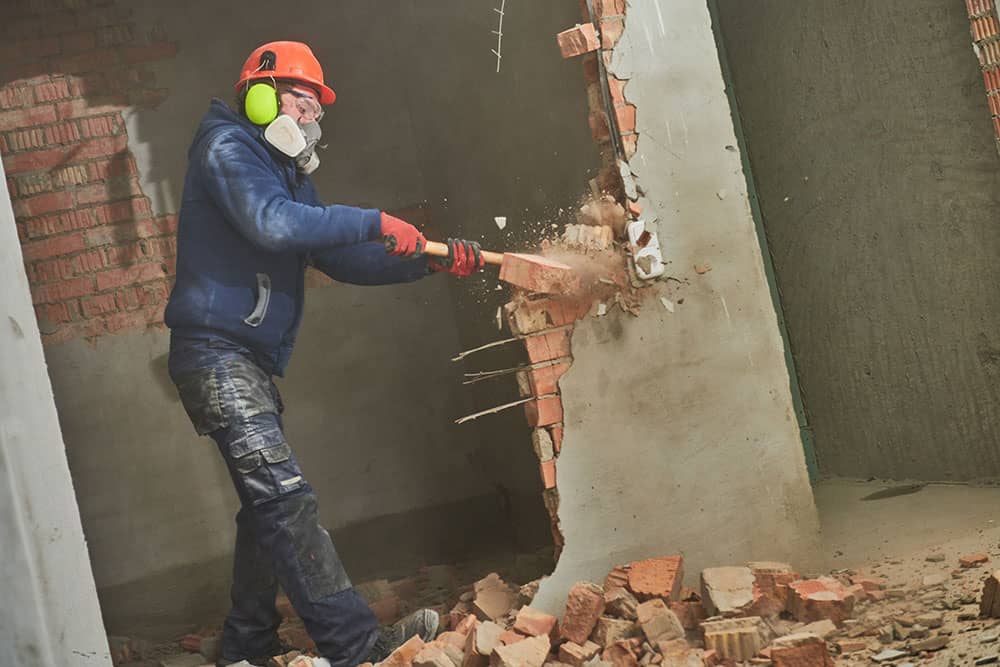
310 110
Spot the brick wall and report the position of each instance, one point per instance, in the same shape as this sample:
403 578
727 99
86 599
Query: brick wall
546 325
985 30
98 260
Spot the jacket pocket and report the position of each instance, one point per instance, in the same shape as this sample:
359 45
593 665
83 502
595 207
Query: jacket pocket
263 298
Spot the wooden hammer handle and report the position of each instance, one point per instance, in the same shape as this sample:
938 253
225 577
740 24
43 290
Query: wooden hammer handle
435 249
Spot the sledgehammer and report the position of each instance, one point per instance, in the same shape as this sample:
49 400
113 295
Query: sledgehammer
533 273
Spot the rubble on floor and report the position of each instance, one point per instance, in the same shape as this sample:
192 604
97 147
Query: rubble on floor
926 610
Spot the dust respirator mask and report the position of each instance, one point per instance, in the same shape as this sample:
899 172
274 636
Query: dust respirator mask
297 140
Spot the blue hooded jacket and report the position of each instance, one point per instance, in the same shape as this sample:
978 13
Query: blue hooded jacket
249 225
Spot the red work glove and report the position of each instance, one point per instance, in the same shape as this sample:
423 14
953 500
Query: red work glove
400 237
464 257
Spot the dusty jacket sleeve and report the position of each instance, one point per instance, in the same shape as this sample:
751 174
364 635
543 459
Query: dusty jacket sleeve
368 264
255 201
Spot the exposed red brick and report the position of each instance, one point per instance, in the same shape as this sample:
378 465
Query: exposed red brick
13 96
63 291
530 316
42 204
533 622
584 605
33 161
548 472
800 650
101 126
578 40
544 411
571 653
611 32
625 116
58 245
603 8
556 431
548 347
816 599
545 380
657 578
133 274
973 560
63 133
50 91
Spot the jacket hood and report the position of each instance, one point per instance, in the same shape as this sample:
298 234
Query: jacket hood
220 116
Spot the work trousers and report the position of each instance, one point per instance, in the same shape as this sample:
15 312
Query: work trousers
279 540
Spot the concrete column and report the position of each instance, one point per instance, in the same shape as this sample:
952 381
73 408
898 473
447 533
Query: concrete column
50 614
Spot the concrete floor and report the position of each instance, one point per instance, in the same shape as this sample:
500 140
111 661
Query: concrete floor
951 518
855 531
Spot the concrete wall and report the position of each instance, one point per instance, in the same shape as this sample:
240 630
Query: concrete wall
422 118
49 613
870 142
680 430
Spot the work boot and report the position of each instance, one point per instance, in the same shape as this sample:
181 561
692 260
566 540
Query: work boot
423 623
278 649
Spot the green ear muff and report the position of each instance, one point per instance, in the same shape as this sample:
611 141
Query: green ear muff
261 103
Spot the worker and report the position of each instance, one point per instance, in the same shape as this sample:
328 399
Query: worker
250 224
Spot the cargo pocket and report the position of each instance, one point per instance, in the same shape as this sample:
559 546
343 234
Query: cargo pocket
263 299
267 473
199 392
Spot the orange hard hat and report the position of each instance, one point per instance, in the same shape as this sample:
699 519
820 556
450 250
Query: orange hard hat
285 60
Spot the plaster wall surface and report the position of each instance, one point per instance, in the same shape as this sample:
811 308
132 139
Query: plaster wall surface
422 118
49 613
870 141
680 432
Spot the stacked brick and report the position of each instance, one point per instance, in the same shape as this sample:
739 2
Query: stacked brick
545 324
618 127
98 260
985 30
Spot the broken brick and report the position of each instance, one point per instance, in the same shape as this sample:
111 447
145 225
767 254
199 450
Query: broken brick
584 605
404 655
611 32
770 587
735 638
544 411
480 644
578 40
541 442
432 656
620 654
815 599
533 622
548 472
490 605
535 273
973 560
556 431
532 315
617 578
658 623
726 591
610 630
802 649
621 603
571 653
545 380
657 578
509 637
528 653
689 613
